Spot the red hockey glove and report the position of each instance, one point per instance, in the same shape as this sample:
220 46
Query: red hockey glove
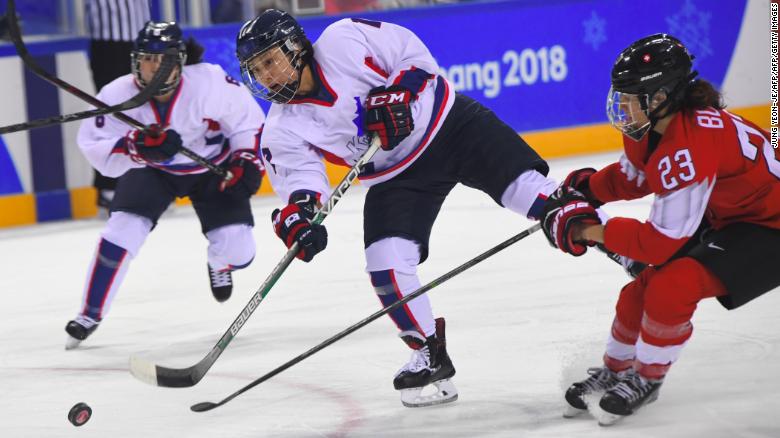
388 114
247 173
564 209
155 149
293 224
579 180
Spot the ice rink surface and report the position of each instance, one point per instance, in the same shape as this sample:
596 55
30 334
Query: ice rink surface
521 327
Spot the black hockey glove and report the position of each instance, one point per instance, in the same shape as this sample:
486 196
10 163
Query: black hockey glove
293 224
247 171
155 149
389 115
563 210
579 180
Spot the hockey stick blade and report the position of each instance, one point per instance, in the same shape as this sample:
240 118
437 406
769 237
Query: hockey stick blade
207 406
167 65
185 377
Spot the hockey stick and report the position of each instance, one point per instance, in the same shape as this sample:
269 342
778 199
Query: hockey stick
185 377
207 406
168 63
159 78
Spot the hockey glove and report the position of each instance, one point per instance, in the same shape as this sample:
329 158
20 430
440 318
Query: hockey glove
389 115
156 149
247 171
579 180
293 224
563 211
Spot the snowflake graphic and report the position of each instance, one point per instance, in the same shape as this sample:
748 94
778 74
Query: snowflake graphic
692 26
595 30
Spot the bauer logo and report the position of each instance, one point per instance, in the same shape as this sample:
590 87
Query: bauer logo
245 314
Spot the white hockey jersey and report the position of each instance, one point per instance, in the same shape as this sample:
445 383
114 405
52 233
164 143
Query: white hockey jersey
207 108
350 58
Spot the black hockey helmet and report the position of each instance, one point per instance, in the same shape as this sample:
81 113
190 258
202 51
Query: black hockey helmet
152 41
655 70
273 33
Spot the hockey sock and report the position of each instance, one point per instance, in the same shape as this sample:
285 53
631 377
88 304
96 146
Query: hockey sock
104 277
390 286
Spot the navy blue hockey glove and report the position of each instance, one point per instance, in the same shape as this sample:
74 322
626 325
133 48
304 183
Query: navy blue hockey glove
247 171
579 180
293 224
389 115
155 148
563 210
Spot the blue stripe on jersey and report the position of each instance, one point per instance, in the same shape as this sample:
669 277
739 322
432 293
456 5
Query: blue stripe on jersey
414 79
388 293
46 151
109 259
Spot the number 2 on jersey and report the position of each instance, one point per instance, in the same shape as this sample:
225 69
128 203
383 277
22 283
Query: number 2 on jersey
684 165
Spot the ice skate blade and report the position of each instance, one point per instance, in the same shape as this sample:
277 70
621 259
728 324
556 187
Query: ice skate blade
72 343
606 419
572 412
445 393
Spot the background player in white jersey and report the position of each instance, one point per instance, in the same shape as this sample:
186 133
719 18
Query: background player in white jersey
199 107
363 78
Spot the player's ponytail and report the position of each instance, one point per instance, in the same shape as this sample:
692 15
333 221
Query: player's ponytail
194 51
701 94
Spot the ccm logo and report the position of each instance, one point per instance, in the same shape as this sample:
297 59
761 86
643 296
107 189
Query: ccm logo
387 99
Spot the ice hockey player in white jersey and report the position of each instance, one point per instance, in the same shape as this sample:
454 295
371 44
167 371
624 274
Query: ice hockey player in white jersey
364 78
199 107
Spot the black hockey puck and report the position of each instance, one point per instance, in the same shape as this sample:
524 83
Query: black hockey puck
79 414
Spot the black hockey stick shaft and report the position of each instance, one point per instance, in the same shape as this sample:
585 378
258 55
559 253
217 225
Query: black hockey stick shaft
186 377
142 97
162 74
207 406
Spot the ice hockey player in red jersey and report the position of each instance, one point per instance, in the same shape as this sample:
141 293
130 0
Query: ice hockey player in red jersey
714 226
364 78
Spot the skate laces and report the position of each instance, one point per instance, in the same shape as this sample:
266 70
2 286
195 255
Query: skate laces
600 378
632 387
420 360
86 321
220 278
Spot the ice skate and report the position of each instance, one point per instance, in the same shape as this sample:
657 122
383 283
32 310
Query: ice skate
429 365
78 330
601 379
221 284
631 393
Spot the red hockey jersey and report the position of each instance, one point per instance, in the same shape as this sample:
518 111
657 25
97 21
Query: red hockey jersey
708 162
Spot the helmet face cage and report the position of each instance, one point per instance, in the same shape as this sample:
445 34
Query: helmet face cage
136 56
152 41
629 113
274 74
